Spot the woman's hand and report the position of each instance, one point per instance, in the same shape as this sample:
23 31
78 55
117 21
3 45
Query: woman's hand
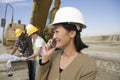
47 51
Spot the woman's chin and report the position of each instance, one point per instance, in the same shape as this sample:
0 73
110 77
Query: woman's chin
58 46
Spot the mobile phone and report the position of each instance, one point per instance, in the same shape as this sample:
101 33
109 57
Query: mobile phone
53 43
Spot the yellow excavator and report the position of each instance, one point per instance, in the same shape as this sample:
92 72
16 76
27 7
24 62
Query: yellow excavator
41 16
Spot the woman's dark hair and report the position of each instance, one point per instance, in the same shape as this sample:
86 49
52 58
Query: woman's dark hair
79 45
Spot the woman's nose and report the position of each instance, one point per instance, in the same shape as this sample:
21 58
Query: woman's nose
54 36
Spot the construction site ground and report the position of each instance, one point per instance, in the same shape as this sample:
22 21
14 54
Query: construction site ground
106 54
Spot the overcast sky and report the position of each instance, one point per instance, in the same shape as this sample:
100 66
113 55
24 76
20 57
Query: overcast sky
102 17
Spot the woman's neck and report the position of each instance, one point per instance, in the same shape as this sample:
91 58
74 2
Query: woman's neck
69 51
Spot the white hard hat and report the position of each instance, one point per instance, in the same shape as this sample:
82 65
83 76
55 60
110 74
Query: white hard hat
70 15
28 26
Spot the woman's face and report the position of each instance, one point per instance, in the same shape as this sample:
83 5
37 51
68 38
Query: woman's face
62 37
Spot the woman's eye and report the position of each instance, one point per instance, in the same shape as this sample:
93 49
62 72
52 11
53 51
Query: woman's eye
55 31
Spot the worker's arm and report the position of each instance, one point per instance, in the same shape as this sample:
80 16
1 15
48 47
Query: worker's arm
14 50
37 53
15 46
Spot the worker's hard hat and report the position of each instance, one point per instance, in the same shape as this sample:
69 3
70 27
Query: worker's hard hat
70 15
28 26
18 32
31 30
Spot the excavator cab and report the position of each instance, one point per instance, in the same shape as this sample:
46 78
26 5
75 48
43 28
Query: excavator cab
9 33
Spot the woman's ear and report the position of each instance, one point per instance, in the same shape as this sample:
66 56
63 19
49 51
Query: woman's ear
72 34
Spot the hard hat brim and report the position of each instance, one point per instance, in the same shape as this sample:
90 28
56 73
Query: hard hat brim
18 34
81 25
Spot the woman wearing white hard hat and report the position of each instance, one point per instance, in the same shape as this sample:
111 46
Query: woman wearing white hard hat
69 63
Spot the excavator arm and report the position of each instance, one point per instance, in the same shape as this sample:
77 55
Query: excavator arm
40 11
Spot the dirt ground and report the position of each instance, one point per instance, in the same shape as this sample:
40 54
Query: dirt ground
19 68
110 49
7 49
107 56
103 48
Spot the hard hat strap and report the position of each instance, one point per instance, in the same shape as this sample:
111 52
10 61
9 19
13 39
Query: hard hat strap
78 27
